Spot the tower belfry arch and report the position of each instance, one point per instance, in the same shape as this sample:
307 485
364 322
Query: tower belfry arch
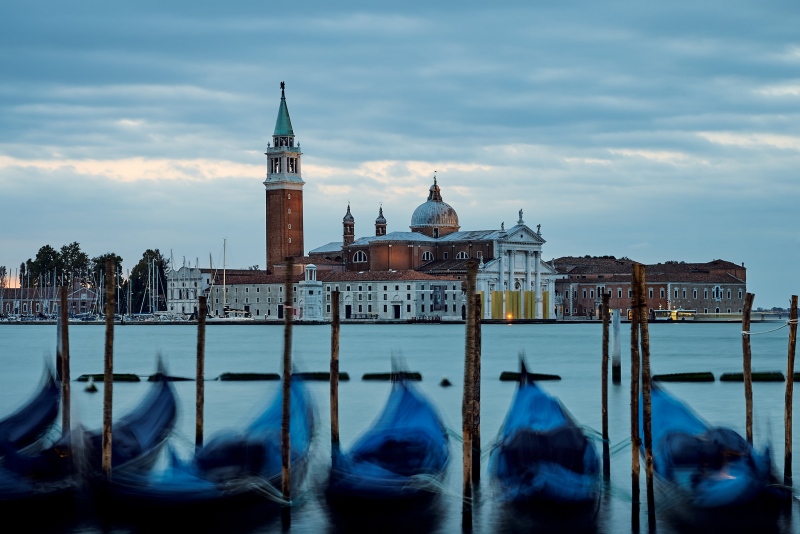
284 190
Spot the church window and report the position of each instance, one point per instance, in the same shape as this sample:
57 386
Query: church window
729 296
591 293
619 293
661 293
462 255
435 232
676 293
289 196
289 211
446 255
290 227
290 240
427 256
650 293
360 257
479 254
584 293
740 293
705 293
694 293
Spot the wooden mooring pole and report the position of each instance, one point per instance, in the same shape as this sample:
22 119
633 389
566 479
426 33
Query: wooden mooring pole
616 352
334 375
787 416
200 378
604 389
635 440
476 394
108 378
646 400
467 403
288 309
63 365
746 365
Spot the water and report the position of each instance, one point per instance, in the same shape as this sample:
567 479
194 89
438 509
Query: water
571 351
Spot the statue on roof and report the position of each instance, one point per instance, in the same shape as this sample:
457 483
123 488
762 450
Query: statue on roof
539 229
503 226
520 221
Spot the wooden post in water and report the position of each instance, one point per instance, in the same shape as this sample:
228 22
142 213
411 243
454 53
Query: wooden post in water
200 378
640 278
476 394
604 389
467 418
636 311
746 364
334 375
787 454
63 364
108 379
616 352
288 310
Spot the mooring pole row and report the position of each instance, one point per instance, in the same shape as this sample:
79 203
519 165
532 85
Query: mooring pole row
334 375
288 309
62 366
747 367
108 378
646 400
787 455
467 418
635 441
604 389
200 374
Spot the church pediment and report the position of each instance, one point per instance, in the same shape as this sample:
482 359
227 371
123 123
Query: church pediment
522 234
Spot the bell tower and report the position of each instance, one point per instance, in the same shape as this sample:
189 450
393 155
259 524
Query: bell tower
284 188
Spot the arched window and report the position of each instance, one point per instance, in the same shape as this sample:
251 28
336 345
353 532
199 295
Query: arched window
462 256
427 256
360 257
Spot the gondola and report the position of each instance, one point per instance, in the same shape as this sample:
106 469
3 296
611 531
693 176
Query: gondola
34 419
710 475
542 459
52 474
401 457
233 472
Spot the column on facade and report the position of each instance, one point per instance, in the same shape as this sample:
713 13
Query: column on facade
500 274
527 279
537 258
511 269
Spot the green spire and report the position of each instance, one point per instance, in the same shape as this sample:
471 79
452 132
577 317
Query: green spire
283 125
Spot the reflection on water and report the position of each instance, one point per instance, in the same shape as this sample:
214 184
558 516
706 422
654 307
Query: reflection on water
571 351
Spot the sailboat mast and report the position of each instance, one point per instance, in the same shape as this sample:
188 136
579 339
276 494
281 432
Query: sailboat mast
224 266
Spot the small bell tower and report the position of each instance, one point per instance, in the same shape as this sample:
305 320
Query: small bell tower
348 228
380 223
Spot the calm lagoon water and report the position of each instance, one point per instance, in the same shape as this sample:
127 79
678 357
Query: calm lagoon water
571 351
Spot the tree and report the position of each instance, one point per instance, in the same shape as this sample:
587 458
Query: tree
22 274
47 261
253 268
74 261
141 281
3 273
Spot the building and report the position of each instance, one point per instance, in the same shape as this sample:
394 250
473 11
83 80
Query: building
513 280
716 287
43 302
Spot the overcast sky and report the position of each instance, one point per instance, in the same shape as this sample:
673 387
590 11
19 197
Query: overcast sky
657 132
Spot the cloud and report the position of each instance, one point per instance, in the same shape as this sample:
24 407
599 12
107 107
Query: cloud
139 169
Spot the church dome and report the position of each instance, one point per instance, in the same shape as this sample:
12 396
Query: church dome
434 213
381 219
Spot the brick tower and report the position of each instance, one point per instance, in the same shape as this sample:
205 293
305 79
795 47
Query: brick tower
284 187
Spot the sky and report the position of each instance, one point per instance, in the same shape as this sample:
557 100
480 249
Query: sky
656 132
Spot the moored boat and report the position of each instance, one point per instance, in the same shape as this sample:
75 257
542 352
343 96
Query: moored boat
542 460
233 472
710 476
400 457
33 420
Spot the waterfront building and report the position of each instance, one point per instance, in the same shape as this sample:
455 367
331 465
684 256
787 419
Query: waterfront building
42 302
716 287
